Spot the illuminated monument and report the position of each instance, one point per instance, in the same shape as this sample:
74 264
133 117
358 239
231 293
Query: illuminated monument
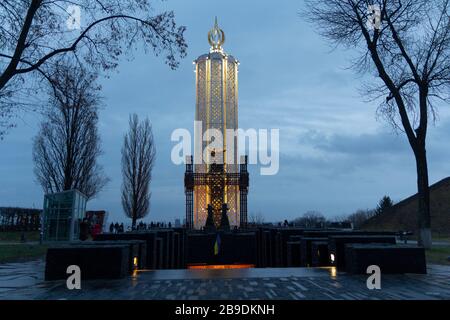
215 183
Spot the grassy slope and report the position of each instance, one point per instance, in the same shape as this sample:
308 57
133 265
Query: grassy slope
14 236
438 255
21 252
12 250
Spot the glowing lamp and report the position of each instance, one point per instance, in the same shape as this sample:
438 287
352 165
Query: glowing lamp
332 258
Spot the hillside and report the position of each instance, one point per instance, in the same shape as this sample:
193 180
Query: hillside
403 215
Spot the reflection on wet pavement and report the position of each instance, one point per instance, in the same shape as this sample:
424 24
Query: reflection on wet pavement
234 273
25 281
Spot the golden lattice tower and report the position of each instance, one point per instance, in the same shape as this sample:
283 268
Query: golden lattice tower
215 173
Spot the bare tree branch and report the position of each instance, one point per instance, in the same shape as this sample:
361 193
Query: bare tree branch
409 53
34 36
67 146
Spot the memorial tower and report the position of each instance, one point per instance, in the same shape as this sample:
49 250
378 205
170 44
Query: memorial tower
214 177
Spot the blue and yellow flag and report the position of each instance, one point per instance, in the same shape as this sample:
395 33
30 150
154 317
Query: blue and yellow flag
217 245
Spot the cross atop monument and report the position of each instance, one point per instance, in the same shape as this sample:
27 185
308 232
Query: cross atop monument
216 37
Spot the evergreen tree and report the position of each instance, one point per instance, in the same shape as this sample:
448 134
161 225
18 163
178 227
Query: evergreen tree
384 204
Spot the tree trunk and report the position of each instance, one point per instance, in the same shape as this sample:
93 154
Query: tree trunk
424 218
133 223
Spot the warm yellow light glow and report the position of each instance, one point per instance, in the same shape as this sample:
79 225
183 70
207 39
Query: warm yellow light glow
135 261
333 272
223 266
332 258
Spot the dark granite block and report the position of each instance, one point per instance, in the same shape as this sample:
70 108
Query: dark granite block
390 258
336 246
319 254
171 249
242 249
278 250
267 254
176 250
305 250
165 236
95 262
159 252
296 238
138 250
149 237
235 248
286 234
199 248
293 254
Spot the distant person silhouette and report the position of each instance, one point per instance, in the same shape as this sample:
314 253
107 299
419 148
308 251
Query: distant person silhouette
84 230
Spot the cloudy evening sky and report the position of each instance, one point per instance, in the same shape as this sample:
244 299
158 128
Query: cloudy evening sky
335 155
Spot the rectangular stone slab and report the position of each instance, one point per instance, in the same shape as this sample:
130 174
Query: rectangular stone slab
336 245
391 259
319 254
235 248
293 254
149 237
138 249
305 250
95 262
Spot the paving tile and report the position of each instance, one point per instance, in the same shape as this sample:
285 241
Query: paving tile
25 281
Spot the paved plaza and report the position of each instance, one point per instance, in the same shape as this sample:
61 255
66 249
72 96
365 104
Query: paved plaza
25 281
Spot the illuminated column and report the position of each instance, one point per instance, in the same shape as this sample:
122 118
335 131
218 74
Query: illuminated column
216 108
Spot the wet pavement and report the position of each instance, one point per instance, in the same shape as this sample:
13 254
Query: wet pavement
25 281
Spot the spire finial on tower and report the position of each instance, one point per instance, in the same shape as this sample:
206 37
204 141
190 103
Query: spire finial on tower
216 37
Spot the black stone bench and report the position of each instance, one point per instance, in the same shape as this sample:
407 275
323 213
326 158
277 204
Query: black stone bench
138 250
319 254
95 262
336 246
390 258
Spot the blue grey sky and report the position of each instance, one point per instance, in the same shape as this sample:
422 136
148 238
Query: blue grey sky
335 155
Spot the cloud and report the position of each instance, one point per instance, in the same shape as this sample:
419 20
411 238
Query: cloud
384 144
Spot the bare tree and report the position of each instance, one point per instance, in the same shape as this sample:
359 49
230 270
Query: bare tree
310 219
67 146
257 218
33 33
138 157
360 216
406 45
